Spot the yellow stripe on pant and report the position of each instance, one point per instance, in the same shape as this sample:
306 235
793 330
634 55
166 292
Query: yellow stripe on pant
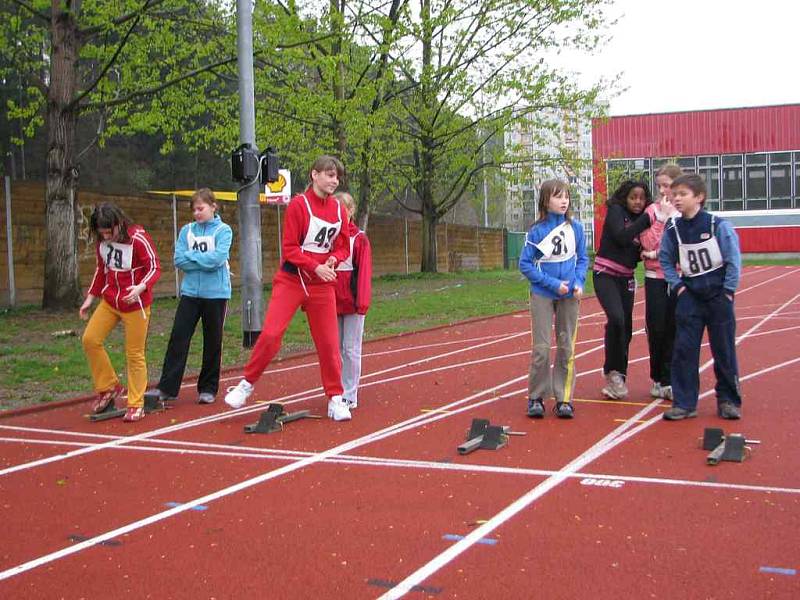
135 323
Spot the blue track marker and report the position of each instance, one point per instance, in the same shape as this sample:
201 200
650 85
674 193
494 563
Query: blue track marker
778 570
174 504
453 537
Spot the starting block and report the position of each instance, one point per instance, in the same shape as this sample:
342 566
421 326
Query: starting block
275 417
732 447
151 404
484 435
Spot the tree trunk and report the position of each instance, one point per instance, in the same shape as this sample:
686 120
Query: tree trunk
429 251
61 288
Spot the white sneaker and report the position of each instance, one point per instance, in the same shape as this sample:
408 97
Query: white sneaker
238 394
666 392
656 391
351 404
338 409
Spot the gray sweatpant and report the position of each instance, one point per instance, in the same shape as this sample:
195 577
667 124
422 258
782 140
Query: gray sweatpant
561 383
351 330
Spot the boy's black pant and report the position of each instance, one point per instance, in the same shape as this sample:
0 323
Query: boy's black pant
616 296
660 319
692 315
190 310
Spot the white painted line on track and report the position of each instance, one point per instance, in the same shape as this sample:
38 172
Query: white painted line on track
610 441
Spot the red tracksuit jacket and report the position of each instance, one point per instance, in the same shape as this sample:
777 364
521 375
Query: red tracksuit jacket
354 288
295 227
121 265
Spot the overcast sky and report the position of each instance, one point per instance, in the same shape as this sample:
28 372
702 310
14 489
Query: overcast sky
698 54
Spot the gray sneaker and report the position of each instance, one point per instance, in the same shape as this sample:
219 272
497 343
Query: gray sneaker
656 391
728 410
205 398
666 392
676 413
615 387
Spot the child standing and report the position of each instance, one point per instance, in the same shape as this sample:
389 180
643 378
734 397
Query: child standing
659 305
707 249
554 260
353 296
127 269
614 283
202 253
315 240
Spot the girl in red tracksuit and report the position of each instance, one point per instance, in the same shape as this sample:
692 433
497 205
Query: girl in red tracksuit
353 295
315 240
127 269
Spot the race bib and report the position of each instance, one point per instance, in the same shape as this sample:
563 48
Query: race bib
116 256
699 259
558 245
203 243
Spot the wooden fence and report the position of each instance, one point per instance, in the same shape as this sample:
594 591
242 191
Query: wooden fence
396 242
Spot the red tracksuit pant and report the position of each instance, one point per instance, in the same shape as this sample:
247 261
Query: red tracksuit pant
320 306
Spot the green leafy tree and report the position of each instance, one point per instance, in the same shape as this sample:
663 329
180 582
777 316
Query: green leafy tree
136 66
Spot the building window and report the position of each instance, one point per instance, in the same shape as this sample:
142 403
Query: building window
686 164
732 190
780 180
708 169
797 179
756 181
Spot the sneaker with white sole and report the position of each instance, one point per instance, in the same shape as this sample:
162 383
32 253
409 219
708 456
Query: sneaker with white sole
205 398
656 391
237 395
351 404
666 391
338 410
615 387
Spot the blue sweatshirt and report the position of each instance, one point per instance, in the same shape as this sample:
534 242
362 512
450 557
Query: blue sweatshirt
202 253
546 277
693 231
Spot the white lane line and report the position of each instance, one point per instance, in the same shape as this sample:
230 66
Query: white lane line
378 461
241 411
248 483
610 441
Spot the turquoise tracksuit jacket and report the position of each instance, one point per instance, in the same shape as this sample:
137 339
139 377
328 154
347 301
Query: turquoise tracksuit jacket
202 253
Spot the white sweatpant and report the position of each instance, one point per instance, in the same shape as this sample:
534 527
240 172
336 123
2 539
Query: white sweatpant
351 330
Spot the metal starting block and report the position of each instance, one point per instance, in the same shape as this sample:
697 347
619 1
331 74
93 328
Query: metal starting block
274 418
484 435
151 404
732 447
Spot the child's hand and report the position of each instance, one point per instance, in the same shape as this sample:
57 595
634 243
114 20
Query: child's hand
83 311
325 272
134 291
577 292
563 289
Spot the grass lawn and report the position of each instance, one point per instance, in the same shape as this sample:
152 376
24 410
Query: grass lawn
41 358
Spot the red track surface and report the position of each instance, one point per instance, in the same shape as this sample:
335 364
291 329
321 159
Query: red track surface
341 511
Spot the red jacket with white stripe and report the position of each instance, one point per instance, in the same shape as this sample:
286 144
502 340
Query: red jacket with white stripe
295 228
354 288
121 265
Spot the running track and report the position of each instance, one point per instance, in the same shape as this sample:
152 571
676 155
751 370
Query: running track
615 503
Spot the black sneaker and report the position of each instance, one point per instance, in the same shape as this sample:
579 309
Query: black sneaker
564 410
728 410
535 408
676 413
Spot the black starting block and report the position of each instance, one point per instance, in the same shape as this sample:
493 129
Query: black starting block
732 447
484 435
151 404
274 418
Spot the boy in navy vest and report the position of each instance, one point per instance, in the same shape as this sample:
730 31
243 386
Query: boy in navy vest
707 250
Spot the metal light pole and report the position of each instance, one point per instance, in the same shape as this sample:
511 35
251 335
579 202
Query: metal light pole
250 268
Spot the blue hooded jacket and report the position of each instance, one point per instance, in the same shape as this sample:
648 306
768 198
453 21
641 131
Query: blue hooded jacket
546 277
205 264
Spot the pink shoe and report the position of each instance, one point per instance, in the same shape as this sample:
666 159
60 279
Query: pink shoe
134 413
106 399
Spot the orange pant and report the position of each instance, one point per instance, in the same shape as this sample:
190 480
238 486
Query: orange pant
103 320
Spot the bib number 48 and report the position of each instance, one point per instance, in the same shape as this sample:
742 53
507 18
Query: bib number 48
324 236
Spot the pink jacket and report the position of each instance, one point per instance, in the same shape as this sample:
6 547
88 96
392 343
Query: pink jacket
651 241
